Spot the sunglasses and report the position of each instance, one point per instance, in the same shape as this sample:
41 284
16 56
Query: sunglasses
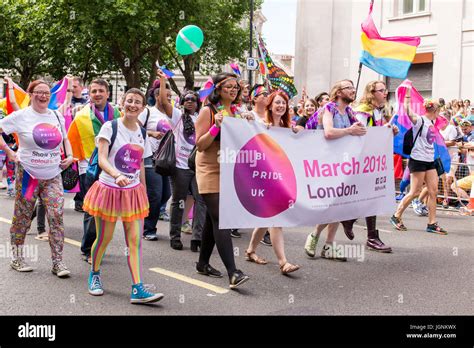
191 99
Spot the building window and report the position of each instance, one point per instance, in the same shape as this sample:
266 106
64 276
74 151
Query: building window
408 7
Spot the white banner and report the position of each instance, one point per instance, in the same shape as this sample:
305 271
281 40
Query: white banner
278 178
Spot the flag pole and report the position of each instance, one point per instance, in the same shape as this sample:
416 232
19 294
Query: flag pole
358 79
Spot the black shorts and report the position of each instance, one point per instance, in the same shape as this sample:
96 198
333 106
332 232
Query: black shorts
420 166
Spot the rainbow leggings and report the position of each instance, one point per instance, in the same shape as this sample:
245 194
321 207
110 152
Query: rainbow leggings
133 233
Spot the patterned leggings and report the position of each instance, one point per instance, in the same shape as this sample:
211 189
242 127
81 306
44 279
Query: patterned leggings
133 232
52 195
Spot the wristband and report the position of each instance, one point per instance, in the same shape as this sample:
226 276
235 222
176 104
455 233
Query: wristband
214 130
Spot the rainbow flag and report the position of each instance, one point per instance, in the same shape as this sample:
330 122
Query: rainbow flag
403 122
276 76
58 94
22 98
83 130
389 56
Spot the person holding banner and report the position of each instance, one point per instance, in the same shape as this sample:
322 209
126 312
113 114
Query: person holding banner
370 112
41 134
277 115
338 121
314 121
225 90
421 164
310 107
259 101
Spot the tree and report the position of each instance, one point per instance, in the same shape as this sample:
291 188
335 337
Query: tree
90 38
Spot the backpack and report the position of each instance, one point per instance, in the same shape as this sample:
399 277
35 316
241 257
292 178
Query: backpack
93 168
408 141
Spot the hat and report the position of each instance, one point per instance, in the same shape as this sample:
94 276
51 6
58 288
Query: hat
465 123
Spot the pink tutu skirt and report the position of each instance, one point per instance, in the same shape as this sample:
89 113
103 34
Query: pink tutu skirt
113 203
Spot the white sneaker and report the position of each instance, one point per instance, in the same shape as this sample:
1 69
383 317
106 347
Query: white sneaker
187 228
20 265
60 270
310 245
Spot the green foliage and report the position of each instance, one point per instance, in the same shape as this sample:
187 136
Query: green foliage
95 37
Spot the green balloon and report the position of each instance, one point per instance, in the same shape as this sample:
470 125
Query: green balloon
189 40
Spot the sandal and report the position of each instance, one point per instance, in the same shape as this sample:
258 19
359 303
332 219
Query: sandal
252 257
42 236
288 268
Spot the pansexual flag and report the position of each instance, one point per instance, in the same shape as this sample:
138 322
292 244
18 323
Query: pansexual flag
58 94
389 56
403 122
22 98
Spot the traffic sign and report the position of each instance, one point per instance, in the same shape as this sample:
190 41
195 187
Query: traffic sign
252 63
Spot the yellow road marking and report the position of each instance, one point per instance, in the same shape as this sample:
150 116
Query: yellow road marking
72 242
165 272
189 280
5 221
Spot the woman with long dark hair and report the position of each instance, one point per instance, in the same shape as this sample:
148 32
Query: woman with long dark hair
221 102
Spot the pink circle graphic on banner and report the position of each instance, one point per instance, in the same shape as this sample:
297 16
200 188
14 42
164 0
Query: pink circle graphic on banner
128 158
46 136
163 126
264 178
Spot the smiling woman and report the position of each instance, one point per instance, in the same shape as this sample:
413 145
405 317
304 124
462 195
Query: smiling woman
41 133
120 193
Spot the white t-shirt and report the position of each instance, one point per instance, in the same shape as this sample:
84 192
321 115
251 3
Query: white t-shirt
126 154
257 117
40 137
450 133
423 149
184 144
157 121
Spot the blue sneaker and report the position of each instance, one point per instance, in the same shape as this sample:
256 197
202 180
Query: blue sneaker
95 284
399 197
141 295
418 207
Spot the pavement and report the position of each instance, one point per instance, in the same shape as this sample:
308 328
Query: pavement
427 274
